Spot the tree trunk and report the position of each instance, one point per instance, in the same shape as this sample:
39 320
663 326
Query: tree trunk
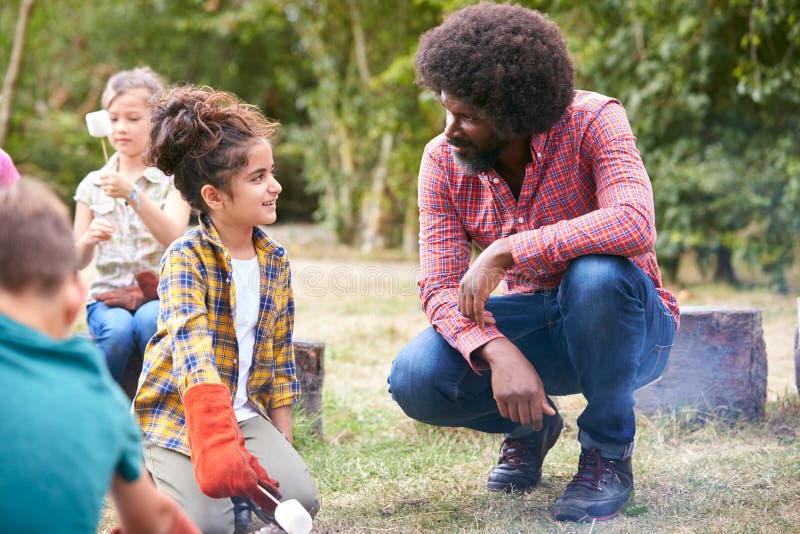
411 226
10 81
723 272
359 43
345 201
309 356
371 206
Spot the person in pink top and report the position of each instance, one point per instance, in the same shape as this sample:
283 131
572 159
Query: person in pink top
547 181
8 172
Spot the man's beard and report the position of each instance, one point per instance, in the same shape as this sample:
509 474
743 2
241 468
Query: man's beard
479 161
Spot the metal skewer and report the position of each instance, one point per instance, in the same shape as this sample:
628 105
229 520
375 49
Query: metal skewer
268 494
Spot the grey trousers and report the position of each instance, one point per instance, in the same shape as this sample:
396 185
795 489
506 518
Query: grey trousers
173 474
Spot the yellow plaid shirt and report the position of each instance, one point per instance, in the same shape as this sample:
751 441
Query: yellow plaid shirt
196 339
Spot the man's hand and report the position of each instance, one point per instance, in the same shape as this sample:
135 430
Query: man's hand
516 385
481 279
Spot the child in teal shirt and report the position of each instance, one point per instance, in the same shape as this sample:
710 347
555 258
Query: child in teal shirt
67 434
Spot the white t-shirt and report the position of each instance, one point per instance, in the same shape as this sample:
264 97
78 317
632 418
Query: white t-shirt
247 283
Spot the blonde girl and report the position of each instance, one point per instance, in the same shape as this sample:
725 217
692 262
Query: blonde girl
126 213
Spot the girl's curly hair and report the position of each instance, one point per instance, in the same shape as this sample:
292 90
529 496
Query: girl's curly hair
201 136
508 61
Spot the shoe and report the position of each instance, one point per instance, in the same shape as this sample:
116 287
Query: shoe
242 516
519 467
243 510
598 491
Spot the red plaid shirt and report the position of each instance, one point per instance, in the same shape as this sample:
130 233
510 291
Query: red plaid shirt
586 191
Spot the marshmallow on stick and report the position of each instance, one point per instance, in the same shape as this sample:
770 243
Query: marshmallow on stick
99 124
291 515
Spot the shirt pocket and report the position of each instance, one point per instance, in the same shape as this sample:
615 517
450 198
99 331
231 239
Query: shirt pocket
103 205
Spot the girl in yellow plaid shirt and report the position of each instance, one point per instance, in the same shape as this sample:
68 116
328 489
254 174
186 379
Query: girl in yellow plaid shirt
218 381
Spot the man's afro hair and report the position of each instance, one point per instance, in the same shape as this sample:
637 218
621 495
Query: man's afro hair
508 61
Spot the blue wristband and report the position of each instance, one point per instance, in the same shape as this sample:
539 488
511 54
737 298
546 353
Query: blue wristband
134 197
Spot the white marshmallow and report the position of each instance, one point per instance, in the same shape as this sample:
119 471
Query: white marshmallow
99 123
293 517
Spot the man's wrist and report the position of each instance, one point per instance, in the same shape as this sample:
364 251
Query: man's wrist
500 252
484 352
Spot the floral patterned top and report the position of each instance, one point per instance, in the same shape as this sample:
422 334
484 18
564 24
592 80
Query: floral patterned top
132 247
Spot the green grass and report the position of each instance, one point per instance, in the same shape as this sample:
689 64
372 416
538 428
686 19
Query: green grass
405 477
378 471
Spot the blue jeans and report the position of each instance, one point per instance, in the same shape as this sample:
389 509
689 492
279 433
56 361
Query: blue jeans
120 333
604 333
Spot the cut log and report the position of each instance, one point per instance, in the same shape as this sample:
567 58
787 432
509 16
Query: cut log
717 366
309 360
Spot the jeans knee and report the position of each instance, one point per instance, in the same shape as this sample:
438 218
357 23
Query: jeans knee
145 322
112 330
595 272
116 341
401 377
147 315
591 282
413 388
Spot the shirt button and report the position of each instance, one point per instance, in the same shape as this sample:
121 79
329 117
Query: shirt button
521 220
495 180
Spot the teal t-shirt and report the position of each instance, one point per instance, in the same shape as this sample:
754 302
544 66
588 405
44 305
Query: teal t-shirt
65 430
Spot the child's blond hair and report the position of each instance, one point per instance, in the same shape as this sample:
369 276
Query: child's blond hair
128 80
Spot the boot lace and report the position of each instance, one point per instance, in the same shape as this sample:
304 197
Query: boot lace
591 467
514 452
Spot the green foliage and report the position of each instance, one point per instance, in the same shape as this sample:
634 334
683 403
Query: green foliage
73 47
711 88
364 90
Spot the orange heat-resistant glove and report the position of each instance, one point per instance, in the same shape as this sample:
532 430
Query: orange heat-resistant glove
130 298
222 465
148 283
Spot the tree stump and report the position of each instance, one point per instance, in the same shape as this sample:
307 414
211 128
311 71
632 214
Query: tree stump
309 360
717 366
797 349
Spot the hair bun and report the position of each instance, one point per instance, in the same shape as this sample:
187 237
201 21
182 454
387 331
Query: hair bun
201 136
177 131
